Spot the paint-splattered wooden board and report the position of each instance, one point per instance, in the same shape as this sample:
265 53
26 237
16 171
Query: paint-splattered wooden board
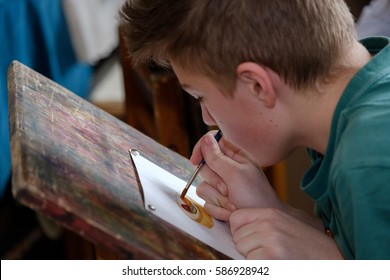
70 162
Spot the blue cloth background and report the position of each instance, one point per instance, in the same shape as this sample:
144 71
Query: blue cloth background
35 33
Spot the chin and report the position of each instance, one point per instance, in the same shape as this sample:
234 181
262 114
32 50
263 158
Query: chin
264 162
261 162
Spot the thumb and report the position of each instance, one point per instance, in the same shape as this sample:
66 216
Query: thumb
215 158
197 156
210 149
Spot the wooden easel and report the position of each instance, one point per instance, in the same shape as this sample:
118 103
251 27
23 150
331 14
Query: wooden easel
70 162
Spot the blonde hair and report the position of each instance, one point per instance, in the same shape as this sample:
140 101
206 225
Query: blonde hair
298 39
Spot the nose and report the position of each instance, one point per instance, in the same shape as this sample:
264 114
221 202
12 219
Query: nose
206 116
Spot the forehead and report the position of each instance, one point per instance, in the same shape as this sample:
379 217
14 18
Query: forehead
194 81
190 80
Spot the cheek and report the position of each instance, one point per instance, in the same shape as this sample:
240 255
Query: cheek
256 140
240 135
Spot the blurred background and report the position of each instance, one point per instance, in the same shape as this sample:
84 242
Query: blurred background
77 44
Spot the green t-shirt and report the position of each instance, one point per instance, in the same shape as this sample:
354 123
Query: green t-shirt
350 184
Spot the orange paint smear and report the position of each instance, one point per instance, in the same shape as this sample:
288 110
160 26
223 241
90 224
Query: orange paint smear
195 211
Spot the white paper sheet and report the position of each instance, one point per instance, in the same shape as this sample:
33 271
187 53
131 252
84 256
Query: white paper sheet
161 189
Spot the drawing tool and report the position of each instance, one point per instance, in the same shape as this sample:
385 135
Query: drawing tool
217 137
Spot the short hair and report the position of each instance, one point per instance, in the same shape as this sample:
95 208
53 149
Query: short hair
298 39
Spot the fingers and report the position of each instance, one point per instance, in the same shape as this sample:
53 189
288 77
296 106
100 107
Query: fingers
226 147
210 149
247 235
257 234
213 189
241 218
216 160
217 212
214 180
213 196
222 157
268 233
217 205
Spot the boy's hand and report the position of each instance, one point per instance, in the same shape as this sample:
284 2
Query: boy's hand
273 234
231 181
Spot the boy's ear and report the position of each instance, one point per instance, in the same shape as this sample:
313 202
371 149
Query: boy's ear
258 82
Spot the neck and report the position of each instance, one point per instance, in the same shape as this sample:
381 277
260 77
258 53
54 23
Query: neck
321 103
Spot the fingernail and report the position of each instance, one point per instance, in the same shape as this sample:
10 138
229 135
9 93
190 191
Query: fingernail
209 140
222 189
231 207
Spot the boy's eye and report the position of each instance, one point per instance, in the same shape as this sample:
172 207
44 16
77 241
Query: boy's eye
198 98
195 96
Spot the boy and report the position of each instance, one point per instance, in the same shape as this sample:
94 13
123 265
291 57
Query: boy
274 76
